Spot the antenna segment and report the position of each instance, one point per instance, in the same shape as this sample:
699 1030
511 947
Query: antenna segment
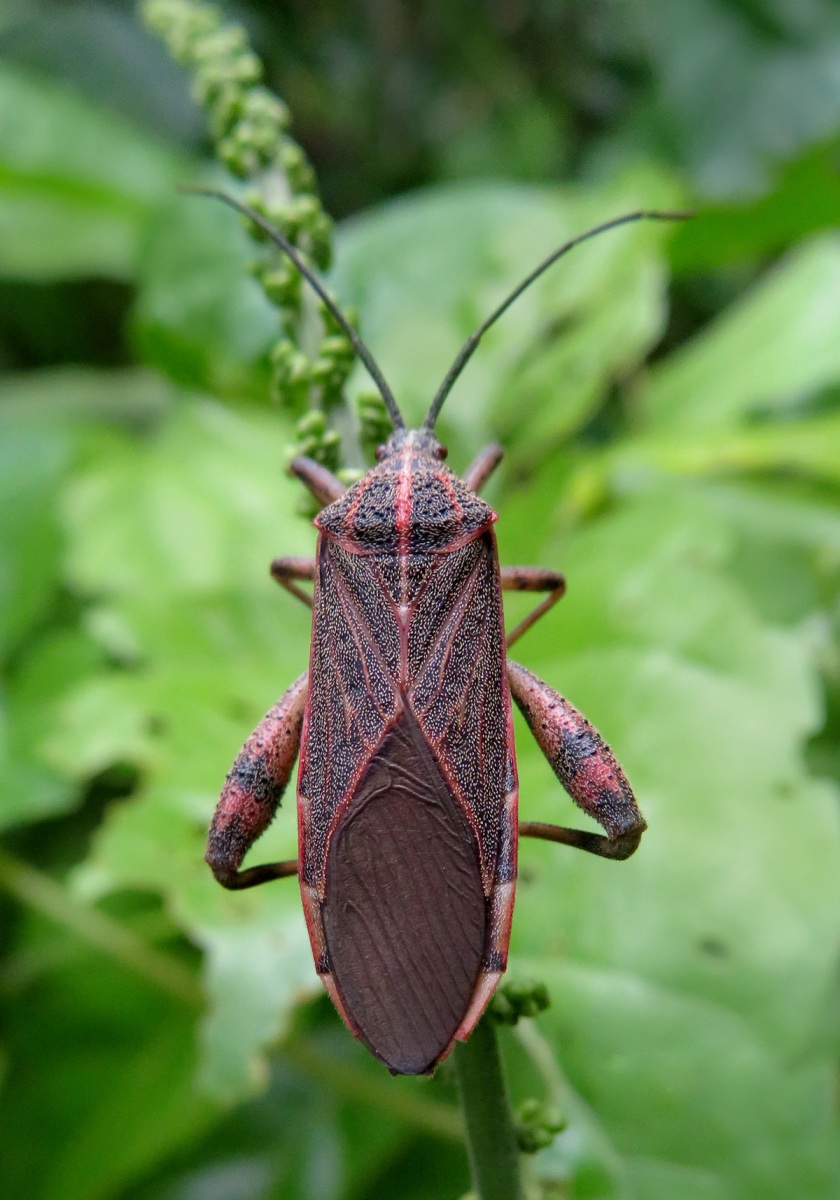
317 286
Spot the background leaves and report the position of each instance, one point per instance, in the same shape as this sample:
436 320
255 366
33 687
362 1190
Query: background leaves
673 446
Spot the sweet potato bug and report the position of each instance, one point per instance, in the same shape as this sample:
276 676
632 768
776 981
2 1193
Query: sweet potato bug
402 724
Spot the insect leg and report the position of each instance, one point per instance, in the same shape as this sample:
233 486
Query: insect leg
325 488
479 471
287 570
532 579
584 764
323 485
252 793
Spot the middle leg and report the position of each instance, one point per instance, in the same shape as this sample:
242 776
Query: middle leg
288 570
532 579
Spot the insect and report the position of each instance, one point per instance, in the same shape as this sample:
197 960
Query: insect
407 784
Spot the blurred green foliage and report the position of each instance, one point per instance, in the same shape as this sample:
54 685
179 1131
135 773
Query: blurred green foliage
670 406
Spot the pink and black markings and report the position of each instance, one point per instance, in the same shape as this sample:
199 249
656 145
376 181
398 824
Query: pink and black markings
407 787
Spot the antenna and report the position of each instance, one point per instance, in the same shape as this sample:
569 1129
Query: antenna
469 346
314 282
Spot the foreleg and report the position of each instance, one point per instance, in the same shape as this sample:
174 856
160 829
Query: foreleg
480 470
323 485
585 766
252 793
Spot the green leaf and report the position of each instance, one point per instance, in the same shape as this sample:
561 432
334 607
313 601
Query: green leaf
788 550
259 966
808 448
199 317
174 537
780 342
32 786
40 660
42 424
736 88
103 1067
452 254
69 396
201 508
77 185
688 982
804 200
32 464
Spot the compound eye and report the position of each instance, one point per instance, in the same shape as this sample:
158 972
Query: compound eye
440 452
380 452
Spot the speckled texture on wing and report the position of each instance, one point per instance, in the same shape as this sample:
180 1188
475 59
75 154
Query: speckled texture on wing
404 914
407 785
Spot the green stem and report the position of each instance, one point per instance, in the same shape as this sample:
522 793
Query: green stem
491 1137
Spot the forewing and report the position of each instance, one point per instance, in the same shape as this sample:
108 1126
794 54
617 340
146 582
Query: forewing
458 691
404 913
352 696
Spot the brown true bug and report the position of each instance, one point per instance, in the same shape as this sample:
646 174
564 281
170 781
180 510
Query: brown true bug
407 785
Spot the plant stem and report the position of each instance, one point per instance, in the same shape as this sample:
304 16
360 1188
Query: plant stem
491 1137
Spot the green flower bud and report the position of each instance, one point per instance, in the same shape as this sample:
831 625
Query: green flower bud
338 347
330 454
281 286
314 423
298 171
224 44
291 381
538 1123
320 233
240 160
515 1000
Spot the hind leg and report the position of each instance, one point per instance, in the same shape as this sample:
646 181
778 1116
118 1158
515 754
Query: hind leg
252 793
585 766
